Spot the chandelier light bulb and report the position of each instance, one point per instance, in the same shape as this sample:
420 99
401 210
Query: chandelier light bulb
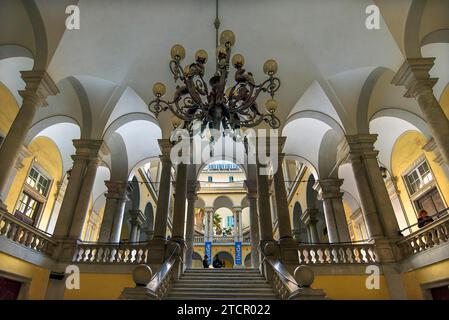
221 52
271 105
238 61
227 38
178 52
159 89
201 56
270 67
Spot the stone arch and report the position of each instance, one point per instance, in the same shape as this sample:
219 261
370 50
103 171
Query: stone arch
227 257
13 50
412 48
365 97
223 202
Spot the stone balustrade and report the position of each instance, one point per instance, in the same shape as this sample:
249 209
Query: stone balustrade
426 238
22 233
110 253
337 254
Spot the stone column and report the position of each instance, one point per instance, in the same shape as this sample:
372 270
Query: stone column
377 208
309 218
23 153
136 221
180 203
283 214
163 201
190 226
414 75
82 205
329 192
38 86
253 222
237 211
210 223
116 198
431 146
263 205
87 155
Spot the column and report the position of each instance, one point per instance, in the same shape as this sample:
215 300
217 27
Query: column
431 146
329 192
377 208
283 214
38 86
190 226
309 218
136 221
180 203
253 222
86 150
116 198
414 75
209 231
263 205
82 205
163 200
22 154
237 211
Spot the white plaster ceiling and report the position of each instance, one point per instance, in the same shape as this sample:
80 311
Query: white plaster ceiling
62 135
441 69
389 129
10 74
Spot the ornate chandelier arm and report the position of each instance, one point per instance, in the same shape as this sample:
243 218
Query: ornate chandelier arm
270 85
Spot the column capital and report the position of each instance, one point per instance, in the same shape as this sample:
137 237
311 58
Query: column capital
356 146
22 154
328 188
137 217
90 149
414 75
117 189
165 145
235 209
309 216
38 86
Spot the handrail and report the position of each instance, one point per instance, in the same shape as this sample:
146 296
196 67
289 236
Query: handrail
22 233
160 283
437 216
283 282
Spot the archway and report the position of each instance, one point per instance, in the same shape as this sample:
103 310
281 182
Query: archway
226 258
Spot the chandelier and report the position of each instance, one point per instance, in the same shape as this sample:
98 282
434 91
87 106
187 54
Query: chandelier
215 104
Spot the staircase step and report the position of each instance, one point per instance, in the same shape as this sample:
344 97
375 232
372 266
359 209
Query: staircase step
190 284
221 289
192 295
223 270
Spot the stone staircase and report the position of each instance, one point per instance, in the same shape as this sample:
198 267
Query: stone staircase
221 284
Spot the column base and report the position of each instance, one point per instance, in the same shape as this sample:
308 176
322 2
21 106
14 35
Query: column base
289 251
157 252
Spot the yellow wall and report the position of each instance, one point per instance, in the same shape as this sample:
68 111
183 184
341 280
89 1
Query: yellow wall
407 149
9 109
46 154
444 101
100 286
38 276
350 287
414 279
246 249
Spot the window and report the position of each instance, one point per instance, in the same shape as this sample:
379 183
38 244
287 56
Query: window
28 207
209 179
231 179
38 182
229 221
418 177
